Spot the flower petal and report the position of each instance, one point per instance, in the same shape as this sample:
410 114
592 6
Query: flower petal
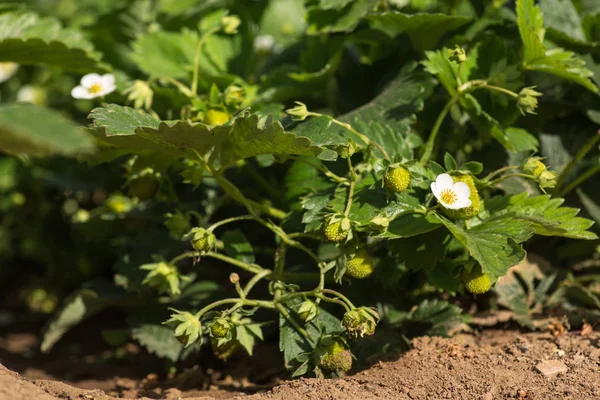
106 90
108 80
462 190
79 92
443 181
457 205
435 191
90 79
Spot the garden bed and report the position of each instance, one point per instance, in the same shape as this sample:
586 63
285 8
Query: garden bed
494 364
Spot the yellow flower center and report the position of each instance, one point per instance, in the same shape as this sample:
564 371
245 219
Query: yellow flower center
448 196
95 88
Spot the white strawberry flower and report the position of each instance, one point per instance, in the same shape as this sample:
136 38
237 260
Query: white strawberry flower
94 85
7 70
450 194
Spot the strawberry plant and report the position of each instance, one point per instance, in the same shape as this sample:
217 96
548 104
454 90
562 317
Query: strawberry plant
306 169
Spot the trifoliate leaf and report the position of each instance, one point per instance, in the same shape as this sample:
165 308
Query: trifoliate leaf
546 215
27 39
555 61
39 132
425 30
495 243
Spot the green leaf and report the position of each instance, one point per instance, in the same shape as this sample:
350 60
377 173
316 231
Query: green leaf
408 225
495 242
438 63
547 217
338 20
449 162
421 252
555 61
386 120
37 131
166 54
159 340
81 305
27 39
249 136
590 205
237 246
562 19
292 344
442 318
424 30
247 334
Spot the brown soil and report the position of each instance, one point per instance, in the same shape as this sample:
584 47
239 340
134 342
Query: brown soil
493 365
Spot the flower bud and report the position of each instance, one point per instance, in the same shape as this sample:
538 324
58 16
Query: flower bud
234 278
220 328
187 327
360 321
534 166
230 24
141 94
527 101
308 311
202 240
163 277
234 96
298 113
458 55
32 94
547 179
337 357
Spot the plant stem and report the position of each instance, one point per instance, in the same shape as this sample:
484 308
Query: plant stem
341 296
237 301
330 300
184 89
578 157
351 188
363 137
254 268
291 320
495 181
436 127
255 279
196 71
501 170
229 220
189 254
580 179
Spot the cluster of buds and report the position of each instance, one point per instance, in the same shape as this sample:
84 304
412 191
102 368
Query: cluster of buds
546 178
527 100
458 55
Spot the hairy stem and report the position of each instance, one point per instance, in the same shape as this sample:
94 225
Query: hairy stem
436 127
254 268
196 71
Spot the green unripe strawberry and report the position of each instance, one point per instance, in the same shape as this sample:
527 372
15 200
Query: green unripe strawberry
361 265
334 231
220 328
144 187
476 281
216 117
308 310
360 321
474 208
337 358
202 239
225 350
397 179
